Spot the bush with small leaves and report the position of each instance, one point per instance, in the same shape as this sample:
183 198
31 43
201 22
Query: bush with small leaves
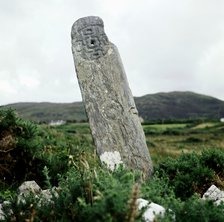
19 142
193 173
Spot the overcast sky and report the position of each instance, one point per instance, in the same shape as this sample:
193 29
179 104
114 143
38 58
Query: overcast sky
164 45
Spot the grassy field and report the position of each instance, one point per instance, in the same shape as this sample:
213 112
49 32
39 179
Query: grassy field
171 140
166 140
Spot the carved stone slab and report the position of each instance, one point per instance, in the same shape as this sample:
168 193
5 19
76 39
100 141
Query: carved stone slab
110 107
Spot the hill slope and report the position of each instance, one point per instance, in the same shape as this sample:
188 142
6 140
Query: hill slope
179 105
45 112
173 105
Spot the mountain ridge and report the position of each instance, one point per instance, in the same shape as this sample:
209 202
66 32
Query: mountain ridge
162 105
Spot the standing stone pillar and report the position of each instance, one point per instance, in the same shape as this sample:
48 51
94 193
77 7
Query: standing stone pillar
109 104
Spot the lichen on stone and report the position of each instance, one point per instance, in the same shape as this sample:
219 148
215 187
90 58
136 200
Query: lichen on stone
111 159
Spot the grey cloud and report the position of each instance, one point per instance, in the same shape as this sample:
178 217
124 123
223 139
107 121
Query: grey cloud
164 45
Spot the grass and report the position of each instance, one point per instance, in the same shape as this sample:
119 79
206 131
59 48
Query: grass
165 126
163 140
195 138
205 125
79 128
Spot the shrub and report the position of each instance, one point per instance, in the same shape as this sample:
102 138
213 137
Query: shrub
19 142
194 209
86 195
214 159
192 173
182 175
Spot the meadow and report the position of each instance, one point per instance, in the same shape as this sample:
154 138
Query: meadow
188 158
171 140
164 140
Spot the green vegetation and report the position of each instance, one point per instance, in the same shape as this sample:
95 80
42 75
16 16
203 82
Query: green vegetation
188 158
46 112
171 140
170 107
19 142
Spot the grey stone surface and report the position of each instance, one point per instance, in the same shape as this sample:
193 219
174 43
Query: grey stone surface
2 214
27 188
43 197
108 100
31 187
152 210
2 217
215 194
47 196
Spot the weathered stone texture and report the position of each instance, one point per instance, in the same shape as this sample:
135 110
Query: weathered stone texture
215 194
108 100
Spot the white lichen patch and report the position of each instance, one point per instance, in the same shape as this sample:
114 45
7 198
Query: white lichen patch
110 51
111 159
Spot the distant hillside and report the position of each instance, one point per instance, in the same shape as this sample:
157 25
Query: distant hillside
45 112
179 105
173 105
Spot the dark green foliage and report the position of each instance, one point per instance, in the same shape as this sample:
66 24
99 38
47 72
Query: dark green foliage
88 194
19 142
193 140
195 209
192 173
61 148
175 131
26 148
97 196
158 189
85 195
214 159
150 130
7 118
